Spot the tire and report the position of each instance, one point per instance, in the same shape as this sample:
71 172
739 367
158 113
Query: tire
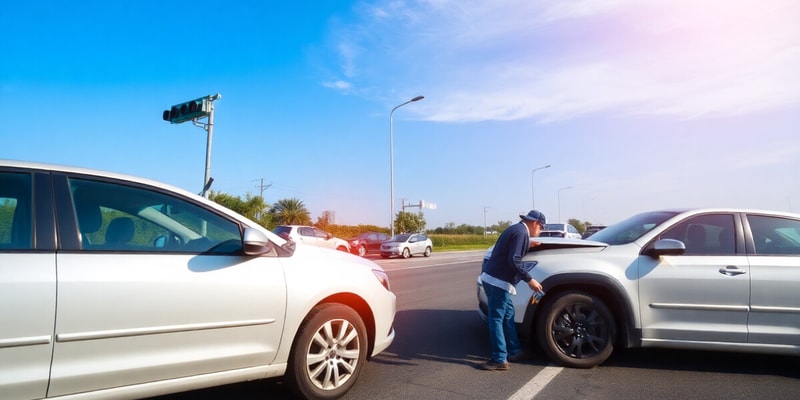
427 252
362 251
576 330
406 253
327 368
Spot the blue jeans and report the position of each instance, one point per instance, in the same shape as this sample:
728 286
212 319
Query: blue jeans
502 329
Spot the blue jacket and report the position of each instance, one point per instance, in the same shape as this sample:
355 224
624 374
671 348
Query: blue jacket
505 262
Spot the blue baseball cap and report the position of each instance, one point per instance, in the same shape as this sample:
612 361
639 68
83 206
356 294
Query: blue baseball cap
534 215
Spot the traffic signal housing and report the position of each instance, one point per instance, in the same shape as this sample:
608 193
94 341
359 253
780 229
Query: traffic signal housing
187 111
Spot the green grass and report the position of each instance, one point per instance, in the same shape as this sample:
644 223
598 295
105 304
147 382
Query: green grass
443 242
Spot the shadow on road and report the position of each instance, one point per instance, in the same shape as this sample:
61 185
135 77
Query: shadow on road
452 336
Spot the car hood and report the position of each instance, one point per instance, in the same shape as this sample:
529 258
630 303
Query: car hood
553 244
549 243
332 256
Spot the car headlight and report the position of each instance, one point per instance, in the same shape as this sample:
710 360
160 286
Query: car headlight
382 277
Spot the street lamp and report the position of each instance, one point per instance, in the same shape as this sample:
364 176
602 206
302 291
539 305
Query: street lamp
533 200
559 201
391 159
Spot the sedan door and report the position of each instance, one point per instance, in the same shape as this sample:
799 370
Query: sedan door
27 285
156 289
775 274
702 295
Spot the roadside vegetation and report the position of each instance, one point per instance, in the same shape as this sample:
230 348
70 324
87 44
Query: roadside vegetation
292 211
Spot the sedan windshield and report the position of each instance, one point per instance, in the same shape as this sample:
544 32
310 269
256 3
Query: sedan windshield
632 228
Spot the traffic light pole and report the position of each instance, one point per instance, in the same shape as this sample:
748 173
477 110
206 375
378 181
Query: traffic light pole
209 128
192 111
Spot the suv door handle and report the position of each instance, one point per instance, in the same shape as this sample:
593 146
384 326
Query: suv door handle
732 270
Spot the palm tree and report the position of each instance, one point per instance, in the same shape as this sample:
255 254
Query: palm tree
290 212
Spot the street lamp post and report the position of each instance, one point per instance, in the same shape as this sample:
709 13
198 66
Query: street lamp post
559 201
533 200
391 159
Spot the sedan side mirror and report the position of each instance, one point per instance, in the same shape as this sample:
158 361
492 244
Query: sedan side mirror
255 242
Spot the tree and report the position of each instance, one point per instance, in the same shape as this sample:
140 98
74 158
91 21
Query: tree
252 207
409 222
325 219
580 226
290 212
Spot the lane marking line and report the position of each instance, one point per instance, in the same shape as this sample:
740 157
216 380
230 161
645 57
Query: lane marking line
537 383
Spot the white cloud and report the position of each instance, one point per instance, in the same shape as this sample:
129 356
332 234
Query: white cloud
552 60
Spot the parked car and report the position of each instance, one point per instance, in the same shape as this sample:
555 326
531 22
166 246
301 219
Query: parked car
560 230
406 245
313 236
367 242
711 279
124 287
592 229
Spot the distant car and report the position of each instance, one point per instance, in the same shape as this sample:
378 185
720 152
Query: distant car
406 245
711 279
367 242
592 229
117 287
560 230
313 236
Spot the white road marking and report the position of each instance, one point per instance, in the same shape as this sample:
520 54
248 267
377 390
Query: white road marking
535 385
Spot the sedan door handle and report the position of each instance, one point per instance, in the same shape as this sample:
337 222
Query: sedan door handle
732 270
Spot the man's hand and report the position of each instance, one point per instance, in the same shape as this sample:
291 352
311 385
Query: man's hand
535 285
534 244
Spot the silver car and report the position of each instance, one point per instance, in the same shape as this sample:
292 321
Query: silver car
113 286
711 279
406 245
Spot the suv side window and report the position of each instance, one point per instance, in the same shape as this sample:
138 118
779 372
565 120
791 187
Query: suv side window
16 216
115 217
775 236
708 234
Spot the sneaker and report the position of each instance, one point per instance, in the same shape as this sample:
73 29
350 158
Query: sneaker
494 366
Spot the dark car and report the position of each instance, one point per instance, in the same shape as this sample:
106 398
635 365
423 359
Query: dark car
367 242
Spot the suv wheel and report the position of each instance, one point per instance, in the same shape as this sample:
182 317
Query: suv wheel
328 354
406 253
576 330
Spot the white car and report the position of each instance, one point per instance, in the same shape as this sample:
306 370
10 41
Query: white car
406 245
113 286
566 231
313 236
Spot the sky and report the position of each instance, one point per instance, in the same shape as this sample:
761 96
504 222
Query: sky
635 105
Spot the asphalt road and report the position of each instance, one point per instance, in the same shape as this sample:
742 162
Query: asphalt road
440 342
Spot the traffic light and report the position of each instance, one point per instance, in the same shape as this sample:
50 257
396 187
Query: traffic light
189 110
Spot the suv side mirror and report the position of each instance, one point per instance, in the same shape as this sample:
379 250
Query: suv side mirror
665 247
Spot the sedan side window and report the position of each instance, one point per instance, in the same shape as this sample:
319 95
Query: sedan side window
16 217
708 234
775 236
115 217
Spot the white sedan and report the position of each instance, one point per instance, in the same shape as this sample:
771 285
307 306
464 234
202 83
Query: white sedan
120 287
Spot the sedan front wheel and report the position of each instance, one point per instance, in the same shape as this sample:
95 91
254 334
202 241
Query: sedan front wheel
576 330
329 353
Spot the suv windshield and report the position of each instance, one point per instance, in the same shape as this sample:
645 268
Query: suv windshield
399 238
632 228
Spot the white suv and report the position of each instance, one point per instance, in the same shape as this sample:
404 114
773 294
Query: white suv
310 235
566 231
120 287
